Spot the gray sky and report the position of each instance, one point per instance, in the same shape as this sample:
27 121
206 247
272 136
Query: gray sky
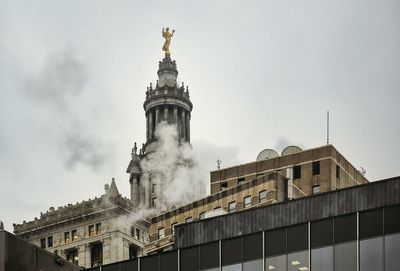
261 74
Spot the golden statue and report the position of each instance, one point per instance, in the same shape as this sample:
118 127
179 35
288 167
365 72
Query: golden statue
167 36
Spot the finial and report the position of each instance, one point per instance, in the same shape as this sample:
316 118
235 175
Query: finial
157 83
151 86
183 85
134 148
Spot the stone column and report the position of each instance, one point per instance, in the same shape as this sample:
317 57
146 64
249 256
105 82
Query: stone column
147 127
176 117
188 127
150 125
183 125
157 116
107 258
166 114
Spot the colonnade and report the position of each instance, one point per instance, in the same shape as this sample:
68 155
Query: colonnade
171 114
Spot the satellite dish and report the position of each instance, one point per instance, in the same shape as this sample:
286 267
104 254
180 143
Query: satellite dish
291 150
267 154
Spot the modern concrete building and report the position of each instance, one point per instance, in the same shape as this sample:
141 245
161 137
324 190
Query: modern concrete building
354 228
294 174
90 233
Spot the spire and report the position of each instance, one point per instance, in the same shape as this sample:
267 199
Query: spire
113 190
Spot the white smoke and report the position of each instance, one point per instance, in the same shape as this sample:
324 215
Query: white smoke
174 169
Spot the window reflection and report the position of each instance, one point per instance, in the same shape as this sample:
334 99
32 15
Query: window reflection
298 261
256 265
277 263
346 256
371 254
233 267
322 259
392 250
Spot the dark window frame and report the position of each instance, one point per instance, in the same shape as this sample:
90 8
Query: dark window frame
316 168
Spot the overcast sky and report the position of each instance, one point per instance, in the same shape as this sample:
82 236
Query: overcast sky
261 74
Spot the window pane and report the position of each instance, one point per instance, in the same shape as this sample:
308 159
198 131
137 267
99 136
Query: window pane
277 263
371 223
253 265
392 219
275 242
231 251
371 254
169 261
297 237
235 267
346 256
209 255
322 259
252 246
321 233
298 261
345 228
392 252
189 259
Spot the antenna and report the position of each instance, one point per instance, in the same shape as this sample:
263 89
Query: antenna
219 164
327 127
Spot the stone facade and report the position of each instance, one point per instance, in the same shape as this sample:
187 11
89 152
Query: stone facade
259 183
94 232
165 102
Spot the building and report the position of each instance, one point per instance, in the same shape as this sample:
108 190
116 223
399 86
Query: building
90 233
165 102
294 174
354 228
19 255
108 229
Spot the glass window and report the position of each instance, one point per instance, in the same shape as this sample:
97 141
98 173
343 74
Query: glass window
252 246
66 237
371 223
337 172
231 251
345 228
392 249
43 243
315 168
297 237
50 241
322 259
392 219
232 206
169 261
241 180
253 265
224 185
297 172
161 233
137 233
262 196
346 256
247 201
298 261
234 267
153 188
275 242
189 259
316 189
91 230
321 233
154 202
188 219
371 254
202 215
277 263
209 256
74 235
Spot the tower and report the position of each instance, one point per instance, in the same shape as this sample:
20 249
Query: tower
165 102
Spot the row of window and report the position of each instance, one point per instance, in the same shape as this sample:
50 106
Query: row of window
368 239
262 197
69 236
